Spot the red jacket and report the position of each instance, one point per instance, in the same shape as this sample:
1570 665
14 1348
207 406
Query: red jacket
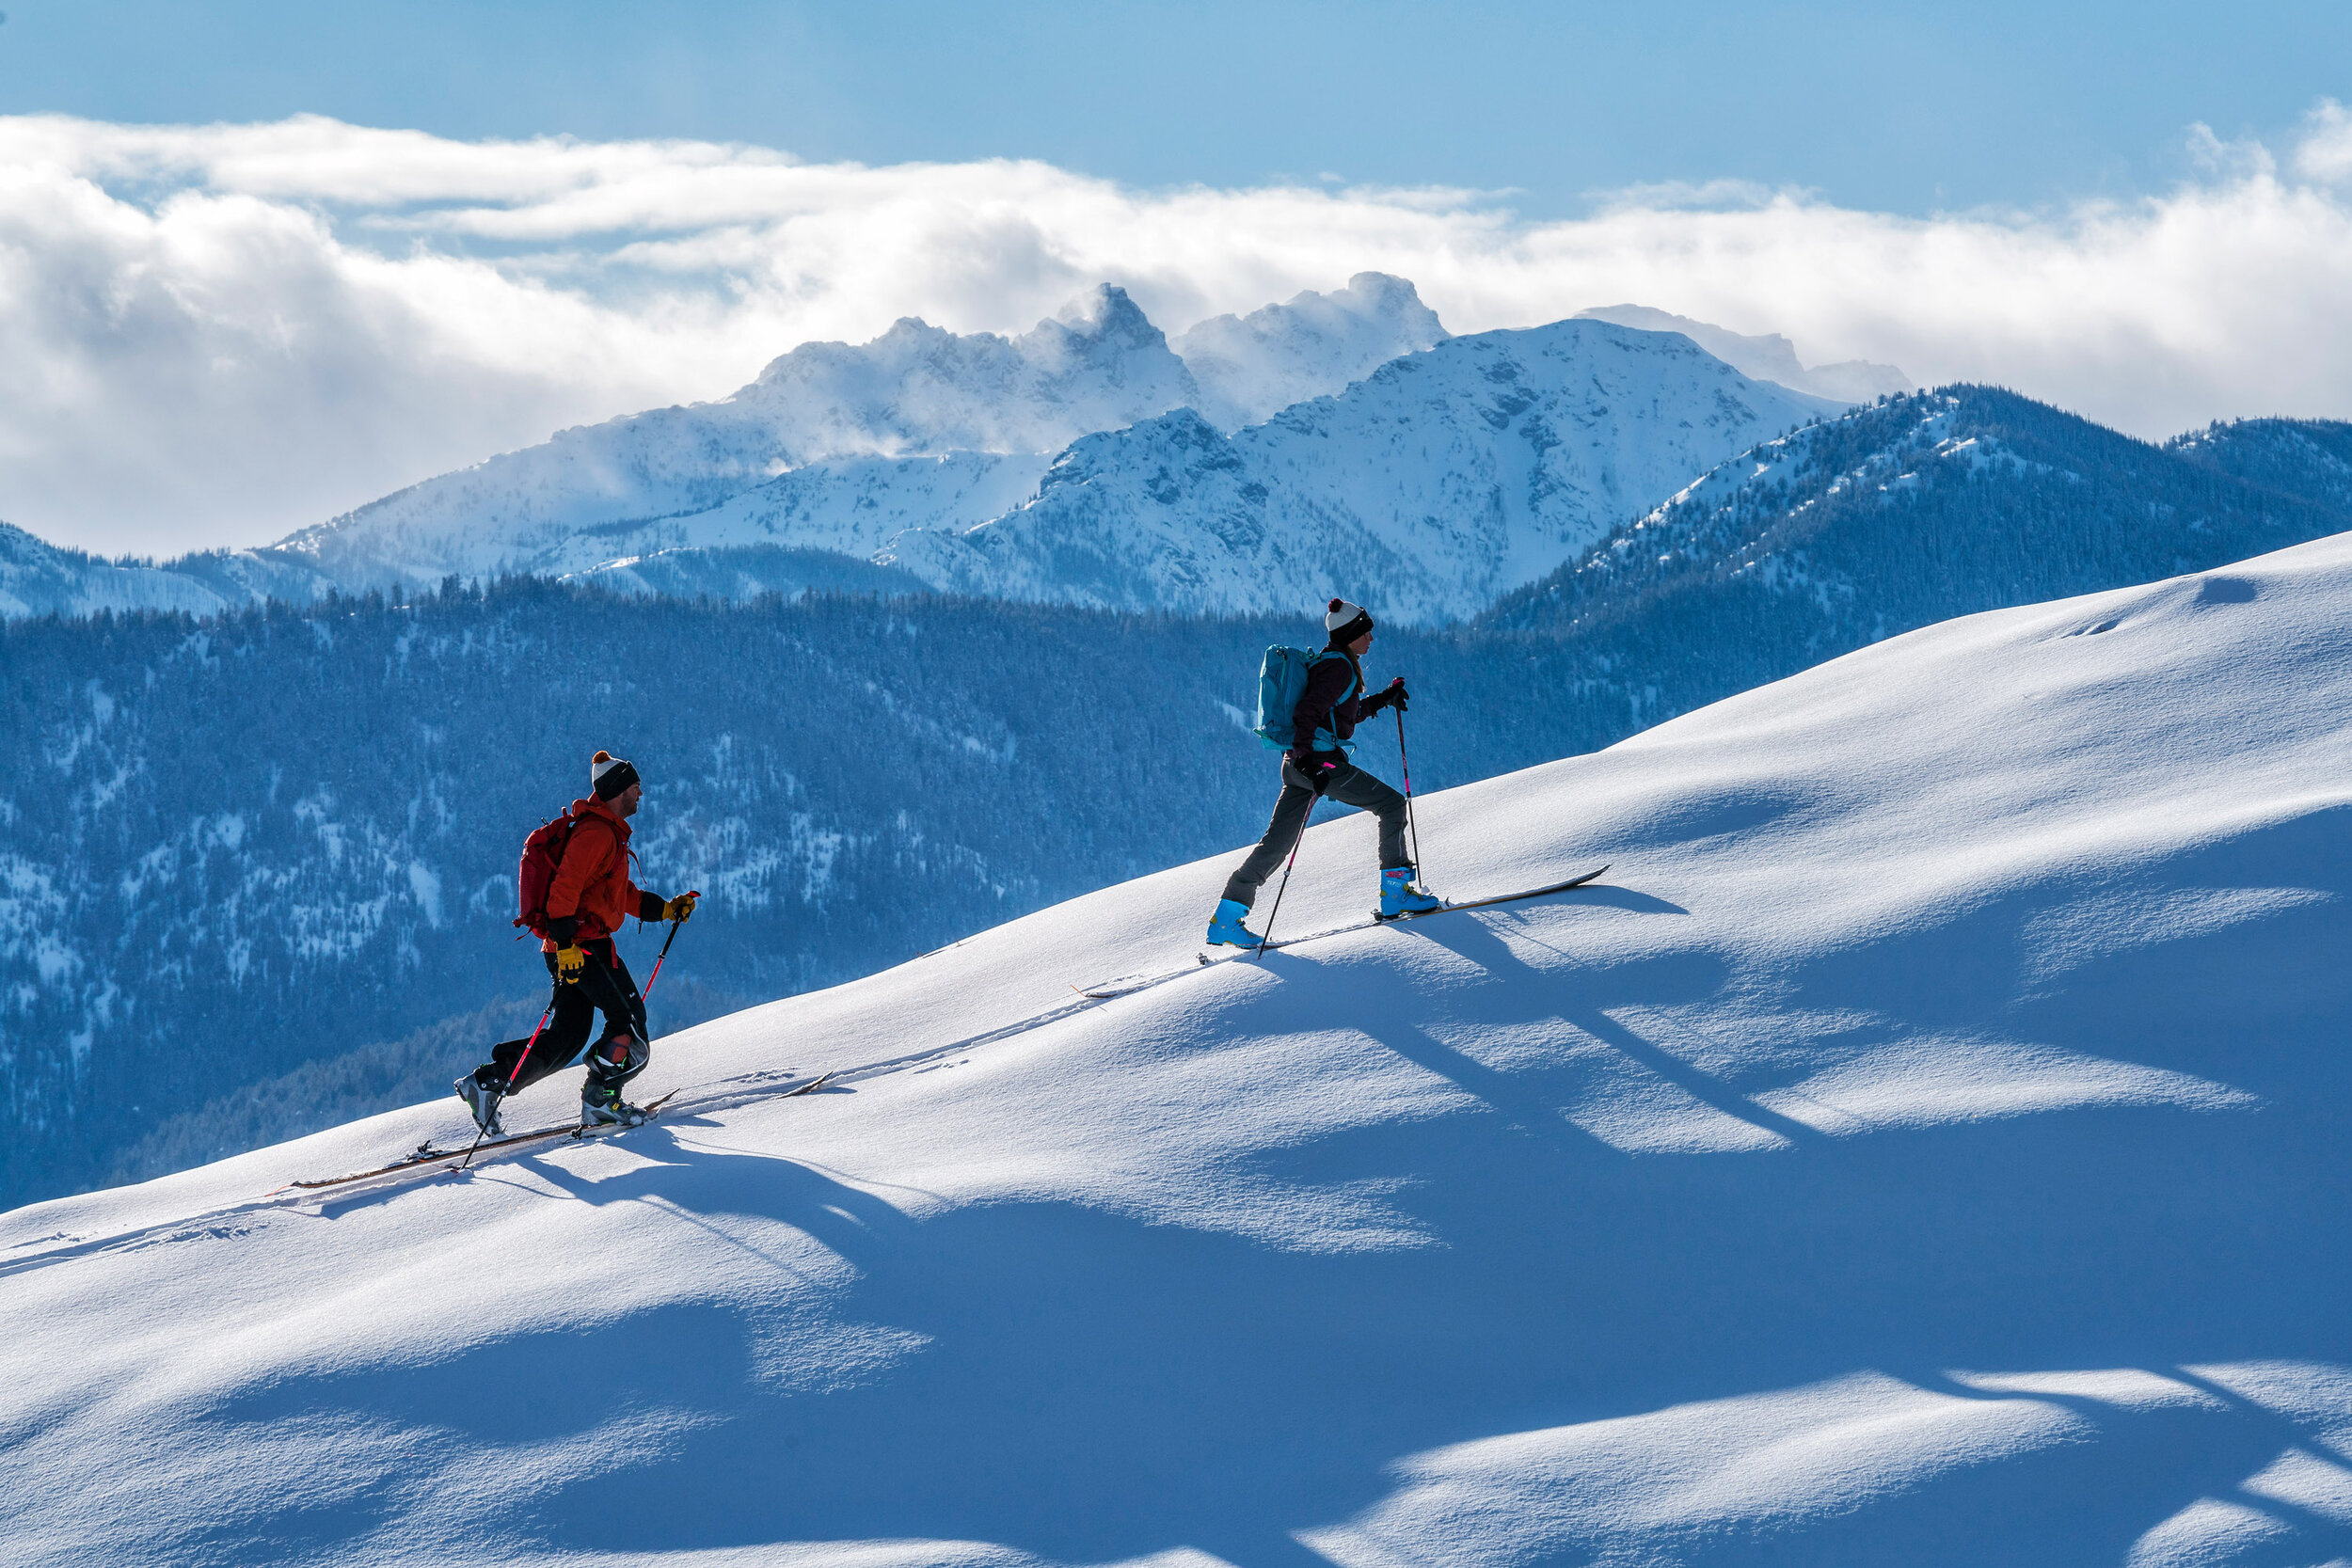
593 880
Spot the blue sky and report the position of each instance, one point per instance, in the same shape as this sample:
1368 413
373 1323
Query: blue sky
1892 107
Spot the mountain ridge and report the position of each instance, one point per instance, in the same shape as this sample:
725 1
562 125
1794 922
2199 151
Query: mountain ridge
1454 474
920 432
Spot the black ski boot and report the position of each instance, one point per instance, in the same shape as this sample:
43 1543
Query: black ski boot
483 1103
603 1107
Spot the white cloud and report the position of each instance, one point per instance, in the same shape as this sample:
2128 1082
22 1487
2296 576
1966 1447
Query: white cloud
2325 153
217 334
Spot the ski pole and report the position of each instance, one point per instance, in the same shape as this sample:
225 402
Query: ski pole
1268 934
659 957
508 1085
1406 764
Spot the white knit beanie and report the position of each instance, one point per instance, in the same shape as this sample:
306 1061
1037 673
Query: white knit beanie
1346 622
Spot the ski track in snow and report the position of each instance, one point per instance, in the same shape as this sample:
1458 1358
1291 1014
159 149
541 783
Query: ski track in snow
696 1098
1927 1147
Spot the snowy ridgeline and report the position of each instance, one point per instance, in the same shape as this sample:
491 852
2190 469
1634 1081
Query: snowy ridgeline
1340 436
1922 508
1927 1149
855 782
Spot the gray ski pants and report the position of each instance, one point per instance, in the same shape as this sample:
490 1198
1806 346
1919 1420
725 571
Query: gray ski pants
1350 787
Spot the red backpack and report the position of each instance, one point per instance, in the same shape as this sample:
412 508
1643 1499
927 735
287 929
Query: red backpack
543 851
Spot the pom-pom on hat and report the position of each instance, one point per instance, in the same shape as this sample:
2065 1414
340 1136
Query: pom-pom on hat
609 775
1346 622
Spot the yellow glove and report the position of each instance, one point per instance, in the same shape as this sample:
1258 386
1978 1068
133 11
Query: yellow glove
568 962
681 908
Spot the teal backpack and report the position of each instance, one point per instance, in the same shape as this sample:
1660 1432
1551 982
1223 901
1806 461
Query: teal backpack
1281 681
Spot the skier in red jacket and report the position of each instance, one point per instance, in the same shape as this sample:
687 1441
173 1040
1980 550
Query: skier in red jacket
587 901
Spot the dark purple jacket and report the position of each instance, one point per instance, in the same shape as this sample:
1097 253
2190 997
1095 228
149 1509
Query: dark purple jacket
1327 684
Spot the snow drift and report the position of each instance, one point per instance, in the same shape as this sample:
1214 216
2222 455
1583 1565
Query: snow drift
1929 1149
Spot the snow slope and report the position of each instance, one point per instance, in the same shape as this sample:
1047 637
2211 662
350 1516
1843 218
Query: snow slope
1929 1149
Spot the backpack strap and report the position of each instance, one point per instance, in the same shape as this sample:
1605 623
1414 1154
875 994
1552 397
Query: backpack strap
1356 679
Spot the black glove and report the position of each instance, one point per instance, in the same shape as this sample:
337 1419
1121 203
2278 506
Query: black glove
1395 695
1316 768
563 927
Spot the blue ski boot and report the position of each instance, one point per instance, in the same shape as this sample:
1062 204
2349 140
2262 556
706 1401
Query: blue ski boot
1398 895
1226 925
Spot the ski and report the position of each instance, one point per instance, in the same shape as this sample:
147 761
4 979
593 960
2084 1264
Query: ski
1450 907
1127 985
426 1155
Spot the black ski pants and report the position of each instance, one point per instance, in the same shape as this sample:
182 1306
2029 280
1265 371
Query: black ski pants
1350 785
619 1055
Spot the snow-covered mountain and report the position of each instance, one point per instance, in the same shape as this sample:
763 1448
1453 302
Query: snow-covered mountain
1444 479
1768 358
1250 367
916 391
840 448
1925 1149
1454 474
834 448
1081 455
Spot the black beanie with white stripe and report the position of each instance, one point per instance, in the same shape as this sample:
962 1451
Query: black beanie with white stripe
608 775
1346 622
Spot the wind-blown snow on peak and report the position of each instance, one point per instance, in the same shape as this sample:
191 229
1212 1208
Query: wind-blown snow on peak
915 391
918 390
1250 367
1768 358
1924 1148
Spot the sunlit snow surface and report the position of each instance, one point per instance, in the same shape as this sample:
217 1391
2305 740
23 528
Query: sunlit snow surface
1930 1148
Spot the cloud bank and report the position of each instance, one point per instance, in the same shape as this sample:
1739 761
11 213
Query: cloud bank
217 334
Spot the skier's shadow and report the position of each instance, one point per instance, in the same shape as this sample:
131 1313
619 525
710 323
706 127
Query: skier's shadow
1381 1000
1089 1386
1602 895
687 1178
